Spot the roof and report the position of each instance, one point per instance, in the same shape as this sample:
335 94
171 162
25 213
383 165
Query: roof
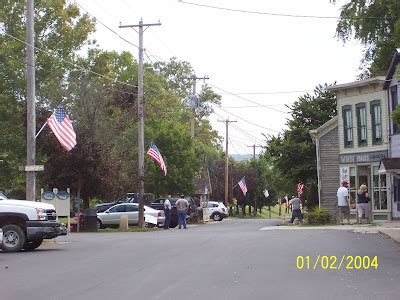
389 165
324 128
392 68
358 83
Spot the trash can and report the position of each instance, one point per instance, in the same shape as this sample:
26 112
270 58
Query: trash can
90 219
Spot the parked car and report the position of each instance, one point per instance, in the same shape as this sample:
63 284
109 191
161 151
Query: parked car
216 210
127 198
159 204
111 217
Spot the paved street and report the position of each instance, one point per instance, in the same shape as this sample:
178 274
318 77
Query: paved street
232 259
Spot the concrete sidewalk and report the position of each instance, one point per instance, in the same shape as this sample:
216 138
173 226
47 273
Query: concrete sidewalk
388 228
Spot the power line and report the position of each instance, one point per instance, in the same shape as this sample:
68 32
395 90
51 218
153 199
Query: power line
268 93
281 14
110 29
254 124
248 100
71 63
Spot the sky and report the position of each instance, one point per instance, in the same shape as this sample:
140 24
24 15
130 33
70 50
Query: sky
258 62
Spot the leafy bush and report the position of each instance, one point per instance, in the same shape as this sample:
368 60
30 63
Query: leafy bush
318 216
94 201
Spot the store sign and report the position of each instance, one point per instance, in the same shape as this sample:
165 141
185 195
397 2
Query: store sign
344 174
366 157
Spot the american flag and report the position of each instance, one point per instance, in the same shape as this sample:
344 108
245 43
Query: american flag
156 156
243 186
61 125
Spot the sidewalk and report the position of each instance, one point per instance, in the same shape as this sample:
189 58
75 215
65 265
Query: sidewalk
388 228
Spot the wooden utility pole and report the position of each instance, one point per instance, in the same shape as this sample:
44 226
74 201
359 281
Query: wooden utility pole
227 121
254 149
140 118
193 100
30 104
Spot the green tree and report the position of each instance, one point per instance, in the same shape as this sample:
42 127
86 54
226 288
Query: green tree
60 31
293 152
376 24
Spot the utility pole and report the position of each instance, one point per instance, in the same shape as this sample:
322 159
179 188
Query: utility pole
193 99
254 149
30 104
227 121
140 121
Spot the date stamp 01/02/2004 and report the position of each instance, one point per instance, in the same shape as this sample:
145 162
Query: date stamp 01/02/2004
333 262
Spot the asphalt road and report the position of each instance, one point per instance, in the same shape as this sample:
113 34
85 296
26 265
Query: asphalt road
232 259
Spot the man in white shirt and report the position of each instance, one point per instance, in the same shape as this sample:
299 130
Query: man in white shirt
343 202
167 212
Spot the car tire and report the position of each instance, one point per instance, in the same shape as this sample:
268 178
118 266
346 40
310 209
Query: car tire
99 225
32 245
217 217
14 238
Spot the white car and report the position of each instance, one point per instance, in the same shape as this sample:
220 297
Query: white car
112 216
216 210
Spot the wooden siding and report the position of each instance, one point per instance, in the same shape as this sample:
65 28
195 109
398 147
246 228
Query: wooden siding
329 170
363 95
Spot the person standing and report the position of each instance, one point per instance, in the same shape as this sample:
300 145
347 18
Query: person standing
167 212
295 203
182 206
362 203
343 202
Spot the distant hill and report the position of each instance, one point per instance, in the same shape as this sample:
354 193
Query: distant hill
241 157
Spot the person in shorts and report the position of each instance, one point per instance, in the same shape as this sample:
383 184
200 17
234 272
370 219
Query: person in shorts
363 203
343 202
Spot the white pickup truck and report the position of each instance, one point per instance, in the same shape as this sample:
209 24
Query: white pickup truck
25 224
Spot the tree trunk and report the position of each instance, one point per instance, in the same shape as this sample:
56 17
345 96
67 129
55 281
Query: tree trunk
269 210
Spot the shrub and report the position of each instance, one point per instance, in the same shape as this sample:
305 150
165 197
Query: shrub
318 216
94 201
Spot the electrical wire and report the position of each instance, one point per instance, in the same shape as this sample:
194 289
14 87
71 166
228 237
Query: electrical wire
110 29
70 63
248 100
281 14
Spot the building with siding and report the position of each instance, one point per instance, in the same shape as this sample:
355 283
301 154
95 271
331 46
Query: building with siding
363 141
327 147
391 166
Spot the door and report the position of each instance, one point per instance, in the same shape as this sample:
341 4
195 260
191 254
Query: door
396 198
133 214
114 215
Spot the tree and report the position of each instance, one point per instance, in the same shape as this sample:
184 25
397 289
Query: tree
376 24
60 31
293 152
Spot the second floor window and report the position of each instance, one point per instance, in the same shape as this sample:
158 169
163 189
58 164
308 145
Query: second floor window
361 124
393 93
347 126
376 122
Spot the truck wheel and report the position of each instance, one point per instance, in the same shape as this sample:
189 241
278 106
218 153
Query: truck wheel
29 246
13 238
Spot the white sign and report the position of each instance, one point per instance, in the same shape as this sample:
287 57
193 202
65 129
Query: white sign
344 174
192 101
2 28
150 219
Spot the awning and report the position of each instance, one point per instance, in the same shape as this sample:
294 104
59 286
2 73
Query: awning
389 165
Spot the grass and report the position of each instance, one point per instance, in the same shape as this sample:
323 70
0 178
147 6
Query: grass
264 213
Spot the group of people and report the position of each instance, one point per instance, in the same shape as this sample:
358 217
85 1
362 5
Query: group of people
182 205
362 205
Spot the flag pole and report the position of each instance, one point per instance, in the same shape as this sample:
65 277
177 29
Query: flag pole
40 130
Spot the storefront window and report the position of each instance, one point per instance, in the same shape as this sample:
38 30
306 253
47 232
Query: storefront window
378 190
352 187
